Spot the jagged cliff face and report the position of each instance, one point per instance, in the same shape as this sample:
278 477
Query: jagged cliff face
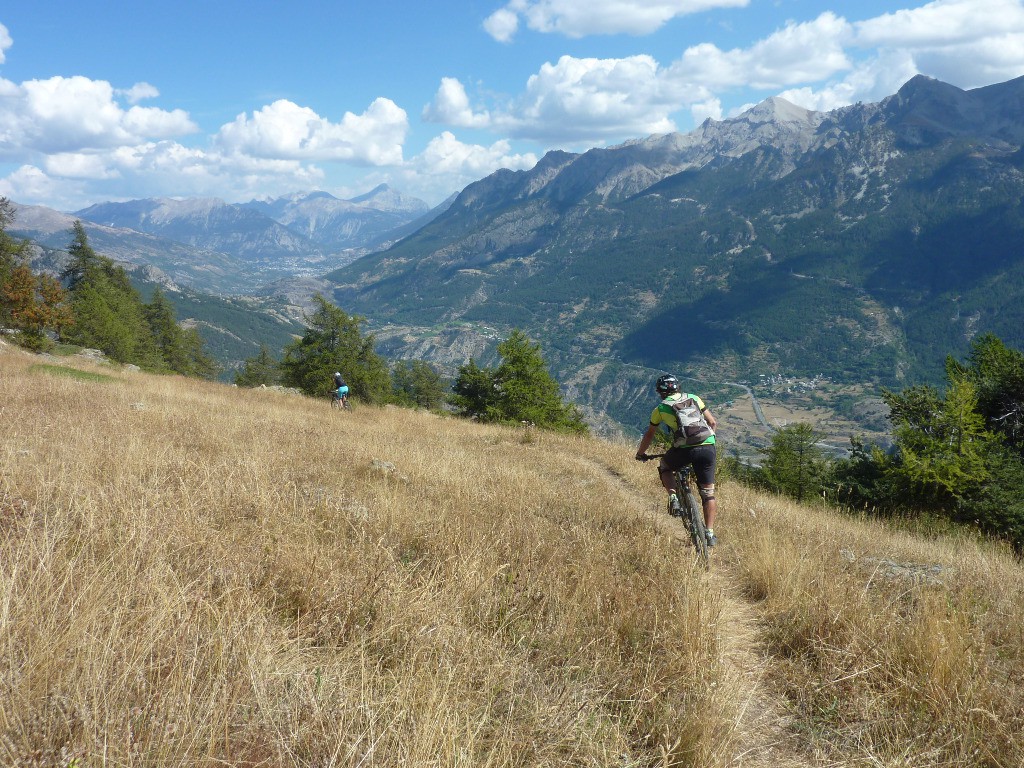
865 242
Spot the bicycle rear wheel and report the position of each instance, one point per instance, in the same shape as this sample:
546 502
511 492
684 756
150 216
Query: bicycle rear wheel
698 532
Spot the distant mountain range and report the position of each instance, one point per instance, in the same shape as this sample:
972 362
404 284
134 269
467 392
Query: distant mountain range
863 244
234 248
241 273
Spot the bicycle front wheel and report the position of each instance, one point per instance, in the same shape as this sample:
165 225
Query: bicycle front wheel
698 531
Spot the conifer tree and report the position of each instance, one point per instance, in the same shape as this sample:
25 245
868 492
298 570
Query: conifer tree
29 303
109 313
182 350
794 463
34 304
333 341
416 383
84 264
942 440
520 389
261 370
475 395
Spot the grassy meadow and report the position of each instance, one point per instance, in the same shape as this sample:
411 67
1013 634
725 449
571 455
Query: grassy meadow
193 574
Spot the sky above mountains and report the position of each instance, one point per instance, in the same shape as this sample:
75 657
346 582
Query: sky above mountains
121 99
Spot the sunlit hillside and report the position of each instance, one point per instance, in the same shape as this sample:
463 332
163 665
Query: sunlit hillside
194 574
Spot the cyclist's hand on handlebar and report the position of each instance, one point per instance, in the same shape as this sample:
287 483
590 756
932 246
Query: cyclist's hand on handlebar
642 457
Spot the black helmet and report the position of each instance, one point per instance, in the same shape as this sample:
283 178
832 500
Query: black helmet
667 385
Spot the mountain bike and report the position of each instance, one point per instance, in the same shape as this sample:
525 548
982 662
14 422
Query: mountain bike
690 509
339 401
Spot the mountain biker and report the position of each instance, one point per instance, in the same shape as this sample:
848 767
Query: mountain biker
702 456
340 387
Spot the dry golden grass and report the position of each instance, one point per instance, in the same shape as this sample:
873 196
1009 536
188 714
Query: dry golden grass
891 649
192 574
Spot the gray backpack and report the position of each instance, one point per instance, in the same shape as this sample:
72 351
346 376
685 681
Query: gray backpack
693 427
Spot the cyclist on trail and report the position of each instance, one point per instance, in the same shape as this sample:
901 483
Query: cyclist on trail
702 455
340 387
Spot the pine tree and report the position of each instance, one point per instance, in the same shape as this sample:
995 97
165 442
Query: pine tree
84 264
417 384
794 462
519 390
942 440
29 303
261 370
475 394
527 391
34 304
10 251
109 313
333 341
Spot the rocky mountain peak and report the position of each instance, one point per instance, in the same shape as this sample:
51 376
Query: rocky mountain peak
778 110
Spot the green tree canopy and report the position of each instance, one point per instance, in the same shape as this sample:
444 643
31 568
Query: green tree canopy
794 463
942 439
261 370
109 312
520 389
334 341
29 303
997 372
417 384
182 350
474 392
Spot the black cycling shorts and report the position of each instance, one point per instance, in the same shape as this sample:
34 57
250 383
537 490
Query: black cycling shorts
702 457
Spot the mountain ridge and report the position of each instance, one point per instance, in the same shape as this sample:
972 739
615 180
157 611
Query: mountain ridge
782 240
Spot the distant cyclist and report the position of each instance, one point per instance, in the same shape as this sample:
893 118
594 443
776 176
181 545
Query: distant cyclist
340 388
702 454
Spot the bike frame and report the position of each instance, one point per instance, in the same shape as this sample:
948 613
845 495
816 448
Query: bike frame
693 510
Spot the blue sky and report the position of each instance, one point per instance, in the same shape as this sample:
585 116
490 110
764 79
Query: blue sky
118 100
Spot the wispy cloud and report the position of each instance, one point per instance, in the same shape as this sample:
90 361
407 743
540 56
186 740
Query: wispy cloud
574 18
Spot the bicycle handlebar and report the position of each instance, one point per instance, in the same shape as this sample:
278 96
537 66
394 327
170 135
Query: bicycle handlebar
650 456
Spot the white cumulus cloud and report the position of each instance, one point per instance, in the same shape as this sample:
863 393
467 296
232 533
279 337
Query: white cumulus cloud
445 154
595 99
68 114
286 130
501 25
139 92
451 106
968 43
965 42
5 42
579 18
797 53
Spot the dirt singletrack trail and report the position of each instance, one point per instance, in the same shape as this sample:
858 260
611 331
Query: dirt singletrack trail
763 735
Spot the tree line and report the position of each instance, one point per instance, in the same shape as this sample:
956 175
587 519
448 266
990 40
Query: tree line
520 389
958 451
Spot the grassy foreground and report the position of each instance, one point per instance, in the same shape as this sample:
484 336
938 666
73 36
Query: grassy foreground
192 574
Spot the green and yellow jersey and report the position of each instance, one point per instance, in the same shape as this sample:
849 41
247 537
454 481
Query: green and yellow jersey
665 417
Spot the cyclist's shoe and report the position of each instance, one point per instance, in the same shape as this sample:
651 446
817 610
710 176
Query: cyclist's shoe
674 508
712 539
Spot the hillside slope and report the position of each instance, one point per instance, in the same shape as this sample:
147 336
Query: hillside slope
863 244
193 573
